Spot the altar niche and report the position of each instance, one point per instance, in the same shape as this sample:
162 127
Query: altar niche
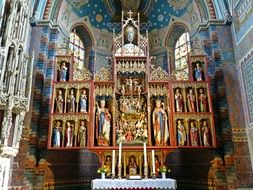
132 163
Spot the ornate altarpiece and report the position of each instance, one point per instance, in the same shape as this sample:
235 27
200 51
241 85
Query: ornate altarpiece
132 103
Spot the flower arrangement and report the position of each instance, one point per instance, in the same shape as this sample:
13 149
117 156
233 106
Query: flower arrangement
164 169
102 169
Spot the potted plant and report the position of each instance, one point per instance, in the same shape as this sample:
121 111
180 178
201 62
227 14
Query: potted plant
163 169
102 170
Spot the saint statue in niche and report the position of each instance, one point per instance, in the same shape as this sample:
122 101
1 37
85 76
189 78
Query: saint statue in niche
202 101
82 134
69 135
178 101
63 72
194 136
157 165
57 134
160 124
83 101
191 101
181 133
198 73
108 164
132 166
59 102
71 102
103 124
206 134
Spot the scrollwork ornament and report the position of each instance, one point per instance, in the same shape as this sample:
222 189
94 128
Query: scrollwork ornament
159 74
81 74
104 74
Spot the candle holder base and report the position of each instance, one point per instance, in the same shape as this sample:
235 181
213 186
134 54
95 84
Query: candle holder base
113 176
119 171
146 172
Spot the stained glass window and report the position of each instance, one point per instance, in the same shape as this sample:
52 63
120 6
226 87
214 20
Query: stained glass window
181 57
248 82
77 48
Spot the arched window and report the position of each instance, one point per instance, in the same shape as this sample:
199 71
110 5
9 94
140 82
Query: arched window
76 47
181 57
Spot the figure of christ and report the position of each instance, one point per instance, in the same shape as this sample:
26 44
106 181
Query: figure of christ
129 136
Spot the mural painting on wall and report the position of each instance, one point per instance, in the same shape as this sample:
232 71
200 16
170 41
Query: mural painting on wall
243 12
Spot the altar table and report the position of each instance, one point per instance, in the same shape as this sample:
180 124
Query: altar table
107 184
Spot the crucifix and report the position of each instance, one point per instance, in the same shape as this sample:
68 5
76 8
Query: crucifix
130 13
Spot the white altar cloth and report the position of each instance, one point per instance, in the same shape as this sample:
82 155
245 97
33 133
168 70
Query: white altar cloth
158 183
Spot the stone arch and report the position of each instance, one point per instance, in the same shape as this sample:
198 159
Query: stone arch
206 10
176 30
84 33
88 42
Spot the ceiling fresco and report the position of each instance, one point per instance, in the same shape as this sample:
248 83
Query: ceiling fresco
102 12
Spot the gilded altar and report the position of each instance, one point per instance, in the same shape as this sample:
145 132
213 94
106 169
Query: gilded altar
130 103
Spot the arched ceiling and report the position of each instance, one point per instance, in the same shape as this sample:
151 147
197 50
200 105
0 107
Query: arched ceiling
157 12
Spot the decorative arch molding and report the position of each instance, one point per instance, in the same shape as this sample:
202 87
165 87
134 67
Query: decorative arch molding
175 31
55 10
206 9
211 9
84 33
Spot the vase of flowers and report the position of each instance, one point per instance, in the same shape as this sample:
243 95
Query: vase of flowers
163 170
102 170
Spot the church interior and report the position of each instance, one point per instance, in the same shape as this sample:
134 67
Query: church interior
126 88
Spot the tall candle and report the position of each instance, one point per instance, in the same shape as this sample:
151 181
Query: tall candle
145 154
113 161
120 149
153 161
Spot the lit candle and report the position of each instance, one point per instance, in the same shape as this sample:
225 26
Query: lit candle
145 154
153 161
120 149
113 161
